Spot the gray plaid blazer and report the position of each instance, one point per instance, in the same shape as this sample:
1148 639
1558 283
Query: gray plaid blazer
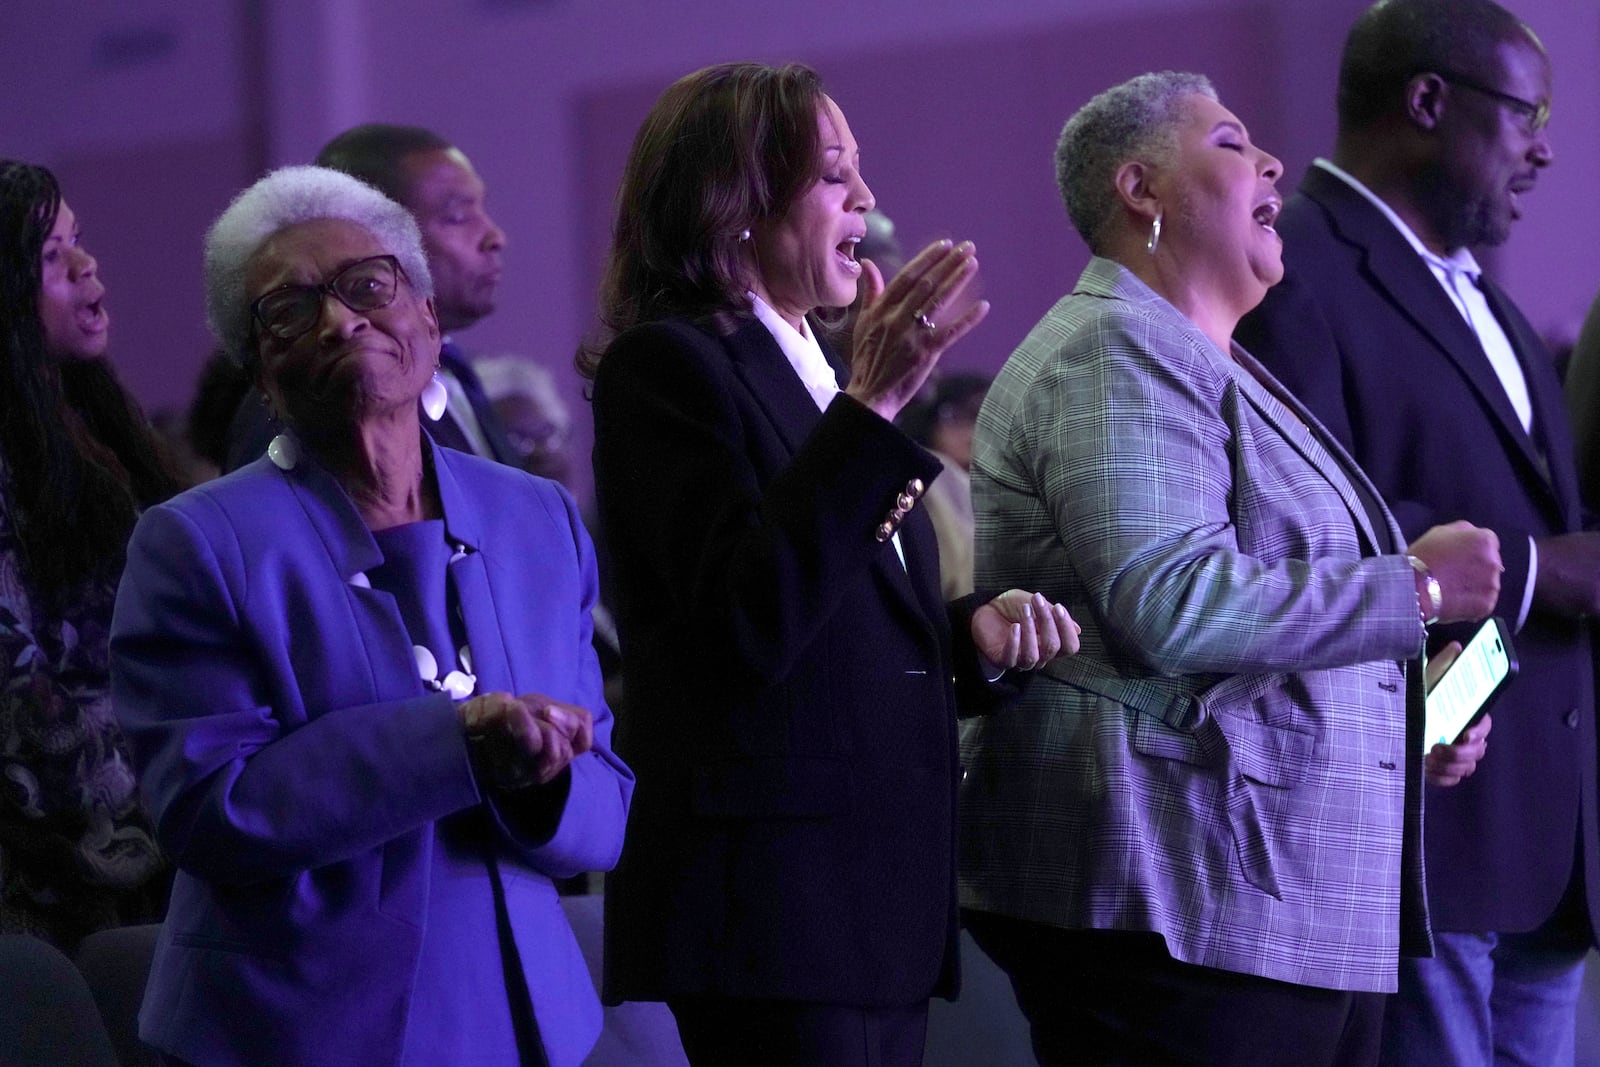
1226 762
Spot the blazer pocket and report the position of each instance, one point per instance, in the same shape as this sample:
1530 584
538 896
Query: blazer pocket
772 787
1252 761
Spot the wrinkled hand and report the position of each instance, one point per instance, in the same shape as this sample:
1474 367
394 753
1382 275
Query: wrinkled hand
1447 765
1466 561
522 741
1568 581
893 351
1023 630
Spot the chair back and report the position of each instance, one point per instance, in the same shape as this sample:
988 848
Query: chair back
116 965
47 1014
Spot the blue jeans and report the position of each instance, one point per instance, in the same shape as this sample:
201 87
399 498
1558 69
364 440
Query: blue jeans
1508 1000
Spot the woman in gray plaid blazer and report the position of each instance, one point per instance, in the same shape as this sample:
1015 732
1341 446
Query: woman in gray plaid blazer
1196 841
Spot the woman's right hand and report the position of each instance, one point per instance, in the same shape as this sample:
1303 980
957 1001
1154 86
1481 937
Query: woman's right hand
1465 559
894 348
522 741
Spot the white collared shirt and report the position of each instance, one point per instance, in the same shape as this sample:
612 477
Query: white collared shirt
800 348
1458 275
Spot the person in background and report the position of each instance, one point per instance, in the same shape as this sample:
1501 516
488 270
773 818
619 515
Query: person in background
941 419
356 675
1582 388
530 409
788 882
222 386
436 182
1197 841
77 463
1422 366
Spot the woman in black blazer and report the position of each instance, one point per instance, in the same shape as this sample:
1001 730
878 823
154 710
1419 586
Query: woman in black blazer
787 885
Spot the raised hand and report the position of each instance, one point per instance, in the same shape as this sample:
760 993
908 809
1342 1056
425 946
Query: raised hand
899 336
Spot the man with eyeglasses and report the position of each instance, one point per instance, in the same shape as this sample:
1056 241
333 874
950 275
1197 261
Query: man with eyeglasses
1423 368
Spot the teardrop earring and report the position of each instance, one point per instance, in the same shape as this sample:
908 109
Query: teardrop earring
434 397
1155 235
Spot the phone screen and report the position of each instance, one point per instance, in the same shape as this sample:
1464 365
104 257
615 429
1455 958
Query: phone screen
1477 674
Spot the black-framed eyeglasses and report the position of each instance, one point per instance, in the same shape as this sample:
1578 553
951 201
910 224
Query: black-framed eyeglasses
1535 117
291 311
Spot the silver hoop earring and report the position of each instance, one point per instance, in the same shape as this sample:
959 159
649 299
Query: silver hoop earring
1155 236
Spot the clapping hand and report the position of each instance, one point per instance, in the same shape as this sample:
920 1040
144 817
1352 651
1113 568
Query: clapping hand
900 335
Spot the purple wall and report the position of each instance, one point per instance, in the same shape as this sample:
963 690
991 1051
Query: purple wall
155 111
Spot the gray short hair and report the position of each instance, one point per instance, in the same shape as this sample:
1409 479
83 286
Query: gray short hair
284 198
1137 118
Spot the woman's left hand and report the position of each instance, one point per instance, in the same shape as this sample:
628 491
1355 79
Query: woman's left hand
1023 631
1447 765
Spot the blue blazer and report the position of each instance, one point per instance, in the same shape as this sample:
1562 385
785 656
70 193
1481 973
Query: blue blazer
297 768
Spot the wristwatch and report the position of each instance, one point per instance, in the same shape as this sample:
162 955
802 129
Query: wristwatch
1433 606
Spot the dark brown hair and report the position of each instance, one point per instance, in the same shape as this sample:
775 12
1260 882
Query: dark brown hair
79 457
723 148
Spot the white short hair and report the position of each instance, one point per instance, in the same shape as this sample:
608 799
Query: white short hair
284 198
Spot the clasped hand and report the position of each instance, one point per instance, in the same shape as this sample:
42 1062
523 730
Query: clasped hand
1023 631
524 740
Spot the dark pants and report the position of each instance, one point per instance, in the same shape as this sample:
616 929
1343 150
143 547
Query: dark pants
725 1032
1109 997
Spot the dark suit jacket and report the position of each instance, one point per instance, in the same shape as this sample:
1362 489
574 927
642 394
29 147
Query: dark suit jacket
1362 331
790 710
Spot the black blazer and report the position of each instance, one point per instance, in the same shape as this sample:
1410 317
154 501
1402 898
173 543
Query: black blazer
1361 330
790 705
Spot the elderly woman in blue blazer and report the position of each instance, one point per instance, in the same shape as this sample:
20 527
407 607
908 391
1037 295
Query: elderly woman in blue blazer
358 680
1198 840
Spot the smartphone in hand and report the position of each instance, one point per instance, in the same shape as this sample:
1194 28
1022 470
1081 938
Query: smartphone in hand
1462 697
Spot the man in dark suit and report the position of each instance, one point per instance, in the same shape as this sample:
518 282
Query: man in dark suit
1386 328
435 181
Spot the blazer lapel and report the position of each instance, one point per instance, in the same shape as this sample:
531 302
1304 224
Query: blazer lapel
1308 437
469 579
1550 429
763 367
377 630
1396 268
766 371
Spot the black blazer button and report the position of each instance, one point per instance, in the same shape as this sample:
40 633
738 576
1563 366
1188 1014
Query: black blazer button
1572 719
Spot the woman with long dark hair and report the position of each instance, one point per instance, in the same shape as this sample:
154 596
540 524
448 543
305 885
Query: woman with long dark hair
787 885
77 463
